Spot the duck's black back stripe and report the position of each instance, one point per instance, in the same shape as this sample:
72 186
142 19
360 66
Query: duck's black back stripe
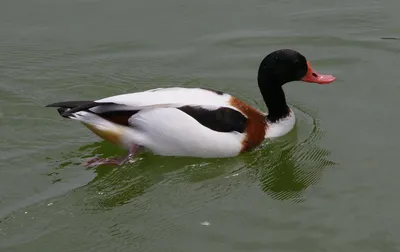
119 116
222 119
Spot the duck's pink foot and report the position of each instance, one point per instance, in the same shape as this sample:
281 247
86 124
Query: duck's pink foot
112 161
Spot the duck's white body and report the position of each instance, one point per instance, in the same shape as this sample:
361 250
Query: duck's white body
166 130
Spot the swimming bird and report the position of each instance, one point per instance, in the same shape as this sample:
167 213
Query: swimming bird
195 122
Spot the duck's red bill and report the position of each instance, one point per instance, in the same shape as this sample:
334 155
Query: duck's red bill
313 76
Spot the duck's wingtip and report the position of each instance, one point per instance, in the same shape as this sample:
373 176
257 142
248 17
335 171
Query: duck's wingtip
64 112
69 104
51 105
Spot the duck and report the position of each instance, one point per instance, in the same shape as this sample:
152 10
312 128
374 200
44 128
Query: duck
195 121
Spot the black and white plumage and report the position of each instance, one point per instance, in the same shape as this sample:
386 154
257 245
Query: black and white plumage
197 122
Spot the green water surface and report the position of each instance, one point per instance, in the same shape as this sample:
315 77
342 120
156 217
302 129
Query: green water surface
329 185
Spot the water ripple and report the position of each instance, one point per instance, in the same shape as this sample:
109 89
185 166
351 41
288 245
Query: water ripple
285 169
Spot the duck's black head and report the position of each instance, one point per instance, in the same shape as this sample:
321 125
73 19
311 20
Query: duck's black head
285 65
280 67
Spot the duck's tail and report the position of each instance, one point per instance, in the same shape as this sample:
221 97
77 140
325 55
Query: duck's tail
68 108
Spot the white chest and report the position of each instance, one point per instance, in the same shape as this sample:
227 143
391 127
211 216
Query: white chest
282 127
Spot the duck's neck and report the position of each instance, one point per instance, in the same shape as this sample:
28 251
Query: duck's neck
274 98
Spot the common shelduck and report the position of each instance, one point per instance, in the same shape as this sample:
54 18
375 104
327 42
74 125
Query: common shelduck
196 122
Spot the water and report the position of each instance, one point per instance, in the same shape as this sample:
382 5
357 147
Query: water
329 185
